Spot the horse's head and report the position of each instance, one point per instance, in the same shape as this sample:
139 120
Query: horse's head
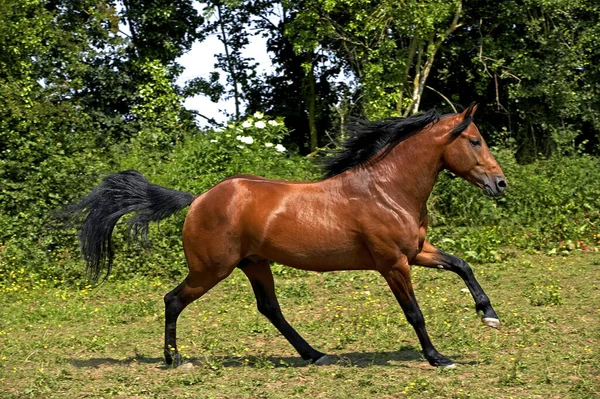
468 156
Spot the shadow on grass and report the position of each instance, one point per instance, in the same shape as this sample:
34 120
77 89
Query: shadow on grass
351 359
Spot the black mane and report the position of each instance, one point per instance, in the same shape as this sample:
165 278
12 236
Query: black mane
366 139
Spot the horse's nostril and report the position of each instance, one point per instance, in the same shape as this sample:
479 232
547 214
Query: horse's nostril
502 183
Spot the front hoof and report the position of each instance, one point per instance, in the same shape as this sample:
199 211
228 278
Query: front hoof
325 360
447 367
491 321
442 363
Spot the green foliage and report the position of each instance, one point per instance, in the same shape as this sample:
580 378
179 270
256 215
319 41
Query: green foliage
78 99
532 64
249 147
158 109
70 100
162 30
48 144
389 46
230 21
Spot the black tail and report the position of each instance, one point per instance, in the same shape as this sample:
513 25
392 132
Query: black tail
118 194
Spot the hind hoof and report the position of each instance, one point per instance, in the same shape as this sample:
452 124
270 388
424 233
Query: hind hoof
173 360
491 321
325 360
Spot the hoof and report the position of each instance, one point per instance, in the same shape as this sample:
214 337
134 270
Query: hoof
175 360
441 362
491 321
447 366
325 360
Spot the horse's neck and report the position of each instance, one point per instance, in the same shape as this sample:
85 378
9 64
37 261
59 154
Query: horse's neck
409 172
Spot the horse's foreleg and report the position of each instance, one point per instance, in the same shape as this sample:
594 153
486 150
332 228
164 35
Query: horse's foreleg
193 287
261 279
398 278
432 257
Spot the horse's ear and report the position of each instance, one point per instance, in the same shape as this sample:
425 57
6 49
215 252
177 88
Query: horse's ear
469 111
465 118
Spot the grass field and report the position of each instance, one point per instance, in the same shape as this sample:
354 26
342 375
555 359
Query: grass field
107 341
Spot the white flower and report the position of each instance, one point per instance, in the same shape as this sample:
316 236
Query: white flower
258 115
268 144
260 125
280 148
245 139
273 123
247 123
214 141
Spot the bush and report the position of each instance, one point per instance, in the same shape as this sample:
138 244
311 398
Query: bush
551 206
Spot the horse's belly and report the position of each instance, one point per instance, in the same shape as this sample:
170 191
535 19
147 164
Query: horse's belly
317 250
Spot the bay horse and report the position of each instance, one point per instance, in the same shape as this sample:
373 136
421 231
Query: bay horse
368 213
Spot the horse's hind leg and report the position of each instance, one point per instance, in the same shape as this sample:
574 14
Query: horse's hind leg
261 278
197 283
432 257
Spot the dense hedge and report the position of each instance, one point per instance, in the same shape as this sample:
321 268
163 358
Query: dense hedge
551 206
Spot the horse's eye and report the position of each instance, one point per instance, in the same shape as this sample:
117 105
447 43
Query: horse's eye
475 142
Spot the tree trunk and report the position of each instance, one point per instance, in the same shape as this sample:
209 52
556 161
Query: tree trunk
312 99
231 67
422 72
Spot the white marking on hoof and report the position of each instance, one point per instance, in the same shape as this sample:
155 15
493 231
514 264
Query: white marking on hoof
491 321
326 360
448 367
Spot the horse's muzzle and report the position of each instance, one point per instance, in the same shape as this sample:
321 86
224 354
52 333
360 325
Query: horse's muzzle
495 186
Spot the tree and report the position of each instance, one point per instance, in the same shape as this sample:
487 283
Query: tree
531 64
231 21
73 90
301 87
47 142
389 46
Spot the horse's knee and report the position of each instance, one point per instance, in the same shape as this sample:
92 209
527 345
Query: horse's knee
462 265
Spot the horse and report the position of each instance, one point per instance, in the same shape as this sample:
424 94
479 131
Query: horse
367 213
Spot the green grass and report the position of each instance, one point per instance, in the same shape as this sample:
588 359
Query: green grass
107 341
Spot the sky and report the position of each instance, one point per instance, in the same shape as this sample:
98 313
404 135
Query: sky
199 62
